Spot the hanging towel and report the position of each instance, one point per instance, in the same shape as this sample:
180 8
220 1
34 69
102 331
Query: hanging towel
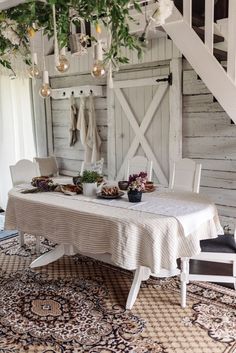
81 123
93 139
73 121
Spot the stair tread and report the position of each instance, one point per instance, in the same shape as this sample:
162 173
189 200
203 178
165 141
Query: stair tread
201 33
221 55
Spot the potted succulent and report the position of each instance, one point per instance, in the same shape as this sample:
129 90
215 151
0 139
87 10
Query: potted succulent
89 180
136 186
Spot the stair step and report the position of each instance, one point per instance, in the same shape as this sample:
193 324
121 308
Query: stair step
201 34
220 55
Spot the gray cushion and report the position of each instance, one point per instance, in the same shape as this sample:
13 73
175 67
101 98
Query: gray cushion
223 243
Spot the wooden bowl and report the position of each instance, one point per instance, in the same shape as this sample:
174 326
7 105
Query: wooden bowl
123 184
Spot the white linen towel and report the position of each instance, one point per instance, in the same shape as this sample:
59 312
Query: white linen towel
73 121
81 123
93 139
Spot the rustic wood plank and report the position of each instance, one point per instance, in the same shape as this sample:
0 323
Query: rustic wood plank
209 147
216 179
217 117
211 128
218 164
192 84
222 197
200 103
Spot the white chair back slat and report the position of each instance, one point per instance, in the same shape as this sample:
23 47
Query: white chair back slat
23 172
47 166
185 176
139 164
96 167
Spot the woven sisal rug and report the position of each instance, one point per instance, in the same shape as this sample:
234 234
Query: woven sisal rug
77 305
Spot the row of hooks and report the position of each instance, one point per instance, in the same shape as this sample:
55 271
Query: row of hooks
63 93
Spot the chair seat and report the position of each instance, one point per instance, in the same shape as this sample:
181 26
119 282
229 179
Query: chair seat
222 244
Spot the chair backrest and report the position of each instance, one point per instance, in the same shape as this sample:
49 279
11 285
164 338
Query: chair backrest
97 166
47 166
185 176
139 164
23 172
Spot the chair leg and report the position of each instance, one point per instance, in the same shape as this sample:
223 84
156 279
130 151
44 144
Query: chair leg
234 273
184 277
21 238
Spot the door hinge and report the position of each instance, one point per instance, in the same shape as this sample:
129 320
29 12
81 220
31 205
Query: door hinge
166 79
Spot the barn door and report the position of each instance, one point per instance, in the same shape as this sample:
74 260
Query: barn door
141 121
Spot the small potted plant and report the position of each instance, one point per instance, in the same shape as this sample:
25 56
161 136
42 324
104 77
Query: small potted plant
89 180
136 186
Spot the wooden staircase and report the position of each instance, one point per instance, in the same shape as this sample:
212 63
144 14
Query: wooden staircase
194 36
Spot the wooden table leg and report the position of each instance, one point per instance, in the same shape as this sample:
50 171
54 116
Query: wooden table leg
53 255
141 274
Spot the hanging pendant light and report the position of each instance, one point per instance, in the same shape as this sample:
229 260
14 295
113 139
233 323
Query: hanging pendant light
64 63
45 90
98 69
34 71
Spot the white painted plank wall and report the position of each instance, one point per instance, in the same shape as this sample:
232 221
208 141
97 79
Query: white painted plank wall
210 139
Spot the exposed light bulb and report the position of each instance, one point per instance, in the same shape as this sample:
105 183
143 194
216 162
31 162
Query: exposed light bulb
98 69
45 90
64 63
34 71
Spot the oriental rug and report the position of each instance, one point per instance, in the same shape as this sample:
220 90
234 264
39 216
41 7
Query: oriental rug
77 305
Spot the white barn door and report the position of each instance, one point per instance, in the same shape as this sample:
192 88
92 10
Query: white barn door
141 120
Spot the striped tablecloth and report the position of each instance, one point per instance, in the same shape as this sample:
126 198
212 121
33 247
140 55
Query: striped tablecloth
132 236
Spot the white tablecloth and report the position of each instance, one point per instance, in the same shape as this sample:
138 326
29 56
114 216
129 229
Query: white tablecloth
132 236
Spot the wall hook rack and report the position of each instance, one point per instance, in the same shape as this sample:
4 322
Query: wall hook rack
85 91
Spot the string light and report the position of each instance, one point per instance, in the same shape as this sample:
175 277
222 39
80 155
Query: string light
34 71
64 63
45 90
98 69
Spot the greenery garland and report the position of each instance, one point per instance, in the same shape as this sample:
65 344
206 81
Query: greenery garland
17 23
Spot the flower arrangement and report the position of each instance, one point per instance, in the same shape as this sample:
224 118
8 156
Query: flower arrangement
43 184
137 182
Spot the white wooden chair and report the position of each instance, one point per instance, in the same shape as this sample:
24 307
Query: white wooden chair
139 164
22 173
185 176
97 166
47 166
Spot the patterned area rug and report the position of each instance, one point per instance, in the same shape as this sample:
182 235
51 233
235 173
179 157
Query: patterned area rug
77 305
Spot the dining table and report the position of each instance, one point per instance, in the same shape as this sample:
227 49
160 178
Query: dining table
145 237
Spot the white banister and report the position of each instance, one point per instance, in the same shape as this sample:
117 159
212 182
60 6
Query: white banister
187 11
209 24
231 67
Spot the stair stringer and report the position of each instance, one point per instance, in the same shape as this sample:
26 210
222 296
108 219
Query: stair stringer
204 63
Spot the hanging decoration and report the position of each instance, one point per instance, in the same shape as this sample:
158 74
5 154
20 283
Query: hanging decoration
78 41
53 16
45 90
98 69
64 63
34 71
